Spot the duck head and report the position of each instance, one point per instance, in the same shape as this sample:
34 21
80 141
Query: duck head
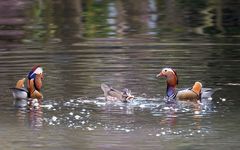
127 94
36 70
171 75
171 78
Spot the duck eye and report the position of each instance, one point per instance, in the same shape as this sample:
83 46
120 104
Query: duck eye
165 70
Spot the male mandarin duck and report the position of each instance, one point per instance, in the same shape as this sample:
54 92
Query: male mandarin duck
112 94
34 85
191 94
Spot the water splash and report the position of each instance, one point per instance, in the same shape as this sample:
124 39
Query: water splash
92 114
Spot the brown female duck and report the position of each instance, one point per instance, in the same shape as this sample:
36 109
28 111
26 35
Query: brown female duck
112 94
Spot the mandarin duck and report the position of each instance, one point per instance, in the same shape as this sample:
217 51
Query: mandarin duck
192 94
34 84
19 91
112 94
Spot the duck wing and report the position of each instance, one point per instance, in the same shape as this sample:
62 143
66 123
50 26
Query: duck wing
187 95
109 91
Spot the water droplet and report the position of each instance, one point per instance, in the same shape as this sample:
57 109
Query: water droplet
197 112
223 99
54 118
166 108
77 117
89 129
209 98
67 104
48 106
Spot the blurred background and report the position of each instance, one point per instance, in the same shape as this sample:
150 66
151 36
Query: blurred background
82 43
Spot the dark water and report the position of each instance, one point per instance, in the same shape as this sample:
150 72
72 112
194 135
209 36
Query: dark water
81 44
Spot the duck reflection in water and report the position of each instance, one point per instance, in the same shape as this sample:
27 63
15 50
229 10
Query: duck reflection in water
171 116
34 118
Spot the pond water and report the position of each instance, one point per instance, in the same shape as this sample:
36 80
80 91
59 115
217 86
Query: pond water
81 44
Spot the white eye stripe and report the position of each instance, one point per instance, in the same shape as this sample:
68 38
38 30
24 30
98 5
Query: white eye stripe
168 69
39 70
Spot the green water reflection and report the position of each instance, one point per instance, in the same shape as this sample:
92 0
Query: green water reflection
135 18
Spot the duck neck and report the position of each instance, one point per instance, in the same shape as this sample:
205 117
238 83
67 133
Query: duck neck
170 91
